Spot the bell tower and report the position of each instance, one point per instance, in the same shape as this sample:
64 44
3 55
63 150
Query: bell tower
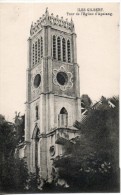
53 93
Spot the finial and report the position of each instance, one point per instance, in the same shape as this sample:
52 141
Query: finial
46 11
56 16
31 29
72 25
52 14
47 22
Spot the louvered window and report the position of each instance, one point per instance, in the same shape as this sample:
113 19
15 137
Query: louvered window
59 48
54 47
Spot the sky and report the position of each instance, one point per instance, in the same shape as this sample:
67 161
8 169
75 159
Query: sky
97 49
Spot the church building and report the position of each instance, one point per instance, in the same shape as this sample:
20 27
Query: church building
53 101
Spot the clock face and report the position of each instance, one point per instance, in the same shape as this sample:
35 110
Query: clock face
37 80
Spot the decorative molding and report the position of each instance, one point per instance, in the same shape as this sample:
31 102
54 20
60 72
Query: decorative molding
52 150
43 135
35 91
62 35
51 20
69 83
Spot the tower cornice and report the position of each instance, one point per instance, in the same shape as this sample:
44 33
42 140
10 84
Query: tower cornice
52 21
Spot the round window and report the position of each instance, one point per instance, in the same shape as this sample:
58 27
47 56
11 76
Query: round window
37 80
52 150
62 78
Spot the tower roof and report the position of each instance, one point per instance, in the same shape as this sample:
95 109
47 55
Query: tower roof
51 20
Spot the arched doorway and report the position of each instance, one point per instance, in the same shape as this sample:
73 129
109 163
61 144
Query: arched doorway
35 137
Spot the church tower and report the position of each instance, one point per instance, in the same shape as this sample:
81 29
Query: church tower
53 93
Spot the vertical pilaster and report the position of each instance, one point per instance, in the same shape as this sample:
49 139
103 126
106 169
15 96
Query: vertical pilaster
27 122
28 93
45 41
51 111
47 112
39 165
77 80
28 86
45 75
50 75
29 53
49 42
43 157
42 114
33 155
78 111
74 48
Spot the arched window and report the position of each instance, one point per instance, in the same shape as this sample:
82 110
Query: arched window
63 111
63 118
59 48
33 54
64 49
41 47
35 137
37 112
38 50
69 51
54 47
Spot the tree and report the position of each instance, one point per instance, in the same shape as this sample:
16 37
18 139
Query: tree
13 171
14 175
19 124
92 162
85 99
7 139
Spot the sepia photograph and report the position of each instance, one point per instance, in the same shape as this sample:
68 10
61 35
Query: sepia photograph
59 97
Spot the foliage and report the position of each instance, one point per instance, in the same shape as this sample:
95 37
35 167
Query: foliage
19 124
13 171
86 101
14 175
7 139
34 182
92 162
53 188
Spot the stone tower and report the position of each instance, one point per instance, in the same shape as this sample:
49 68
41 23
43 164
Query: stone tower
53 92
